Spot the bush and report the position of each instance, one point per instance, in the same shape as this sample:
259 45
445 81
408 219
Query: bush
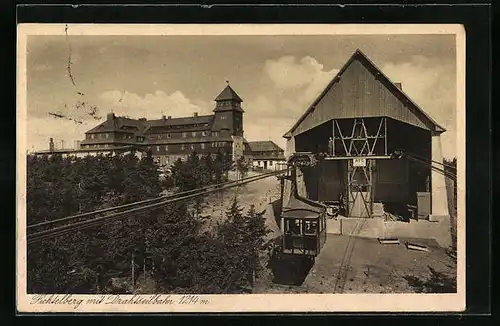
181 259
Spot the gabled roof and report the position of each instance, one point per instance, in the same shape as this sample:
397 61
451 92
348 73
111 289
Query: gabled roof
359 55
264 146
182 121
110 125
141 126
228 94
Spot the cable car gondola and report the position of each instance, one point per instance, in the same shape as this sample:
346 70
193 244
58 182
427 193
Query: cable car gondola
303 221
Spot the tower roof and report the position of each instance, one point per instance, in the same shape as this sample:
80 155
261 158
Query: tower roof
228 94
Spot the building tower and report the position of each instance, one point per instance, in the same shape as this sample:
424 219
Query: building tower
228 120
228 113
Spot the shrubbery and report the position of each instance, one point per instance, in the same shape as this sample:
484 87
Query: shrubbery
182 259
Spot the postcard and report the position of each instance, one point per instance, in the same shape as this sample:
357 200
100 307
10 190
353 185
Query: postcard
240 168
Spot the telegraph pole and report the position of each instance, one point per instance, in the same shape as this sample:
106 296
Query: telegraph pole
133 270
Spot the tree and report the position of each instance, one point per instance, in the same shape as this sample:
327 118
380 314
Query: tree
58 187
184 260
242 167
243 236
256 231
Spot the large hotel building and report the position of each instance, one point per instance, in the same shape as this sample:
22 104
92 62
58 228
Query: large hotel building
172 138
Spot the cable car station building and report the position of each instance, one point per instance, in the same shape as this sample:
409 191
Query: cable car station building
356 126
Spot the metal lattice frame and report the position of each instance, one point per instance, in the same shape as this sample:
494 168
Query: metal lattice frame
360 144
355 189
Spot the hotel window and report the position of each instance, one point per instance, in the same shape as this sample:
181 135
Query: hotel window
215 133
192 146
203 146
107 135
270 163
157 148
194 133
92 136
166 148
223 117
184 134
168 135
203 133
182 147
159 136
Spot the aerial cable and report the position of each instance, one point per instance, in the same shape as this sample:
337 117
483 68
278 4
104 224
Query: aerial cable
65 229
129 205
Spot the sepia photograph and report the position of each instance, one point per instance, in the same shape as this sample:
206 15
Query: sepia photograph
233 168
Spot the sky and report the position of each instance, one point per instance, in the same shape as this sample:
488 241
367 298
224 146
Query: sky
277 77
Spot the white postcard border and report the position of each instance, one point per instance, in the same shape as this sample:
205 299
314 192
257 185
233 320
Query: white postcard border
247 302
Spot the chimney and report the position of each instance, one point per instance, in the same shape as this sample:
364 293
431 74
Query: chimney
399 85
111 116
163 117
195 114
51 144
169 117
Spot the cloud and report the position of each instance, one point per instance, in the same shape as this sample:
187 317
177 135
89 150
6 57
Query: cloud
432 85
288 72
152 106
268 129
305 77
39 130
295 84
298 82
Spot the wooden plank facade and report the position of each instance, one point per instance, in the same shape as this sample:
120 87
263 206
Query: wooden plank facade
361 90
363 117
